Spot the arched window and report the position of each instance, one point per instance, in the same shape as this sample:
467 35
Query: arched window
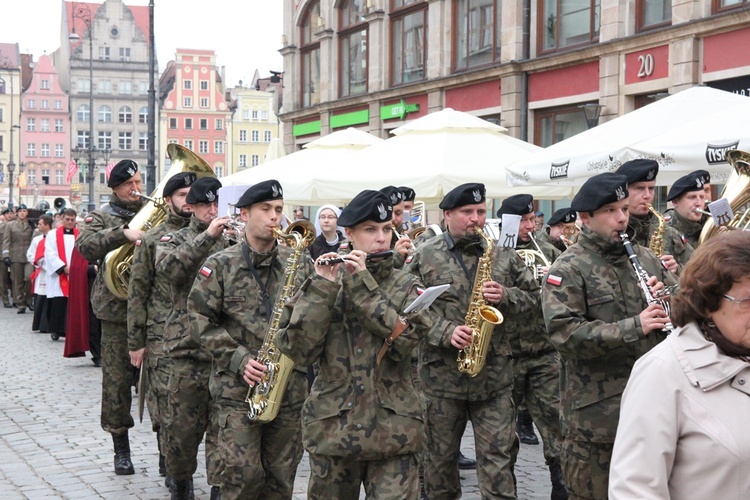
105 114
83 113
126 115
352 47
310 52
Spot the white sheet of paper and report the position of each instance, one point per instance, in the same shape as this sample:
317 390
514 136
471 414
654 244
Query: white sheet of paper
509 231
228 196
426 299
721 212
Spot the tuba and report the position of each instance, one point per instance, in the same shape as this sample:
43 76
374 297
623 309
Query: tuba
265 397
481 318
117 263
737 192
534 259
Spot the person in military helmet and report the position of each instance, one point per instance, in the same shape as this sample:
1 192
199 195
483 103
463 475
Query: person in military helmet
688 198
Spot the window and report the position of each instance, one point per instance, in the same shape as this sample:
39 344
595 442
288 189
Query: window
219 147
204 123
104 53
254 136
264 115
219 171
243 160
143 116
254 115
125 115
245 114
45 104
203 147
45 150
82 139
353 47
32 104
105 140
143 141
556 124
44 125
58 176
104 86
83 85
254 160
31 124
58 104
59 150
204 102
31 175
173 123
124 53
45 84
477 32
31 149
188 124
187 102
267 136
126 141
568 23
219 124
653 13
189 144
83 113
310 52
720 5
243 135
204 84
187 84
125 87
408 48
45 173
142 87
59 125
105 114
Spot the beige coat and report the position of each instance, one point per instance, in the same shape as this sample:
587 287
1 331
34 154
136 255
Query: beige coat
684 428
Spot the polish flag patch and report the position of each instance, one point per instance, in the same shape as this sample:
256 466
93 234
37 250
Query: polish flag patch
137 243
88 219
554 280
420 291
205 271
684 240
410 258
165 239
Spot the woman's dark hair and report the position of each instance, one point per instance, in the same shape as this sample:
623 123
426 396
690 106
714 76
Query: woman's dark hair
712 270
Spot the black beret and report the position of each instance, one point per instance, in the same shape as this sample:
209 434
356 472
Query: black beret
641 170
465 194
262 191
690 182
599 190
7 210
518 204
21 207
409 194
124 170
367 205
394 194
704 175
204 190
178 181
564 216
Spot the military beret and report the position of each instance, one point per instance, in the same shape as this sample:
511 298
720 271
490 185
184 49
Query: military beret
204 190
262 191
367 205
409 194
599 190
641 170
394 194
518 204
124 170
563 216
178 181
465 194
21 207
7 210
704 175
690 182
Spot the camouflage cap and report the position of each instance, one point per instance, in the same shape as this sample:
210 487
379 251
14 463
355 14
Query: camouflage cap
640 170
367 206
599 190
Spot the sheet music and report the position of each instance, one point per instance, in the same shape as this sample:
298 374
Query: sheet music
509 231
721 212
426 298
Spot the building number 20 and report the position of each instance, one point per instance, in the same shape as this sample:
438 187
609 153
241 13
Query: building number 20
647 65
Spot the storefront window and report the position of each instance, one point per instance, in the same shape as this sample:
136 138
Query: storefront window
310 52
653 13
568 23
353 48
556 124
477 32
409 36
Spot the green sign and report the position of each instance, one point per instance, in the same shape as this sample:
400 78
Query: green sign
353 118
399 110
306 128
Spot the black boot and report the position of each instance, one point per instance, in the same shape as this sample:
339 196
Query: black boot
162 459
466 463
169 483
559 492
123 465
525 428
183 490
215 493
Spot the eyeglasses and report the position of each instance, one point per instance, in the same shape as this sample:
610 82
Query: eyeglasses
743 304
327 217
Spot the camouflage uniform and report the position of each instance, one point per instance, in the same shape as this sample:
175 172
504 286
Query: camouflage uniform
16 240
4 270
543 236
690 229
102 232
148 307
592 319
189 408
428 233
362 422
451 396
674 243
228 314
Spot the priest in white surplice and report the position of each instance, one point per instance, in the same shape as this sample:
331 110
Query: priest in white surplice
57 254
35 256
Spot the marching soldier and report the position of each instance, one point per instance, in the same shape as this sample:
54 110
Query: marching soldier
451 396
536 364
149 304
600 323
105 230
349 320
687 195
188 407
16 240
641 175
554 233
231 306
6 216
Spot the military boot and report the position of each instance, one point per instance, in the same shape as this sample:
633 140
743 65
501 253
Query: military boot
466 463
162 459
525 428
183 490
559 491
123 465
215 493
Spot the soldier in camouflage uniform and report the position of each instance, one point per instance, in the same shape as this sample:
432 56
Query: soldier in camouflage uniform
687 195
452 397
641 175
536 364
5 218
149 304
553 234
105 230
362 424
401 244
600 323
231 304
17 238
188 406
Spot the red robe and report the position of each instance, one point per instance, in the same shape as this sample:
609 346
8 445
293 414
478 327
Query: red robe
77 328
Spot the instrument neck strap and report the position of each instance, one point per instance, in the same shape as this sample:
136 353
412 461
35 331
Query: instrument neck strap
263 286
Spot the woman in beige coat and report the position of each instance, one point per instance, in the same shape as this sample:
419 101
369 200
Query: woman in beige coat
683 430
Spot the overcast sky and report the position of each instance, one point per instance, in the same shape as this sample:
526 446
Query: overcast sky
245 34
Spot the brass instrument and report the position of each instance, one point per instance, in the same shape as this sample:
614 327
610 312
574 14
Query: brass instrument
570 234
116 265
234 230
265 397
737 192
656 244
534 259
481 318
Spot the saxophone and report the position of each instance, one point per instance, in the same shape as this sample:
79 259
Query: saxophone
656 244
481 318
266 396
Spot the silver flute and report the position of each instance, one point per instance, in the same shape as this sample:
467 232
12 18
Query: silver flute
370 257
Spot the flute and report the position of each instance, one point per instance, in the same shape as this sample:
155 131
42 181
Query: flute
370 257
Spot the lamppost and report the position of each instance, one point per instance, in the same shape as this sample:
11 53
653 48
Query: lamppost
4 64
83 12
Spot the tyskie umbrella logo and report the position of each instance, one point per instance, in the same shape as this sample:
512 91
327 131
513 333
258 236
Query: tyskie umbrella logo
559 170
717 153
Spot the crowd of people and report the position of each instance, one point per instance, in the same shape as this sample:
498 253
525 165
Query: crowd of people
614 329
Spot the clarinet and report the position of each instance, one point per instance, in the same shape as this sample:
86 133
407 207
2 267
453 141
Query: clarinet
642 277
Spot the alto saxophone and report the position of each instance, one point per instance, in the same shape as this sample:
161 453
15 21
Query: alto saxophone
656 244
266 396
481 318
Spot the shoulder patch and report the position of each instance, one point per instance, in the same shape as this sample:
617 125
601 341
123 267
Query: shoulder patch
410 258
88 219
667 218
344 245
206 271
165 238
682 237
554 280
138 242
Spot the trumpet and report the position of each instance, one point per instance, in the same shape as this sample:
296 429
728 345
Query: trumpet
370 257
234 228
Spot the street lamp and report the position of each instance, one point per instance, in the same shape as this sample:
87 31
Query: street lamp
11 164
591 112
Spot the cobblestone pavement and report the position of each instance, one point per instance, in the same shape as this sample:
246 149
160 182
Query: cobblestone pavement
52 446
